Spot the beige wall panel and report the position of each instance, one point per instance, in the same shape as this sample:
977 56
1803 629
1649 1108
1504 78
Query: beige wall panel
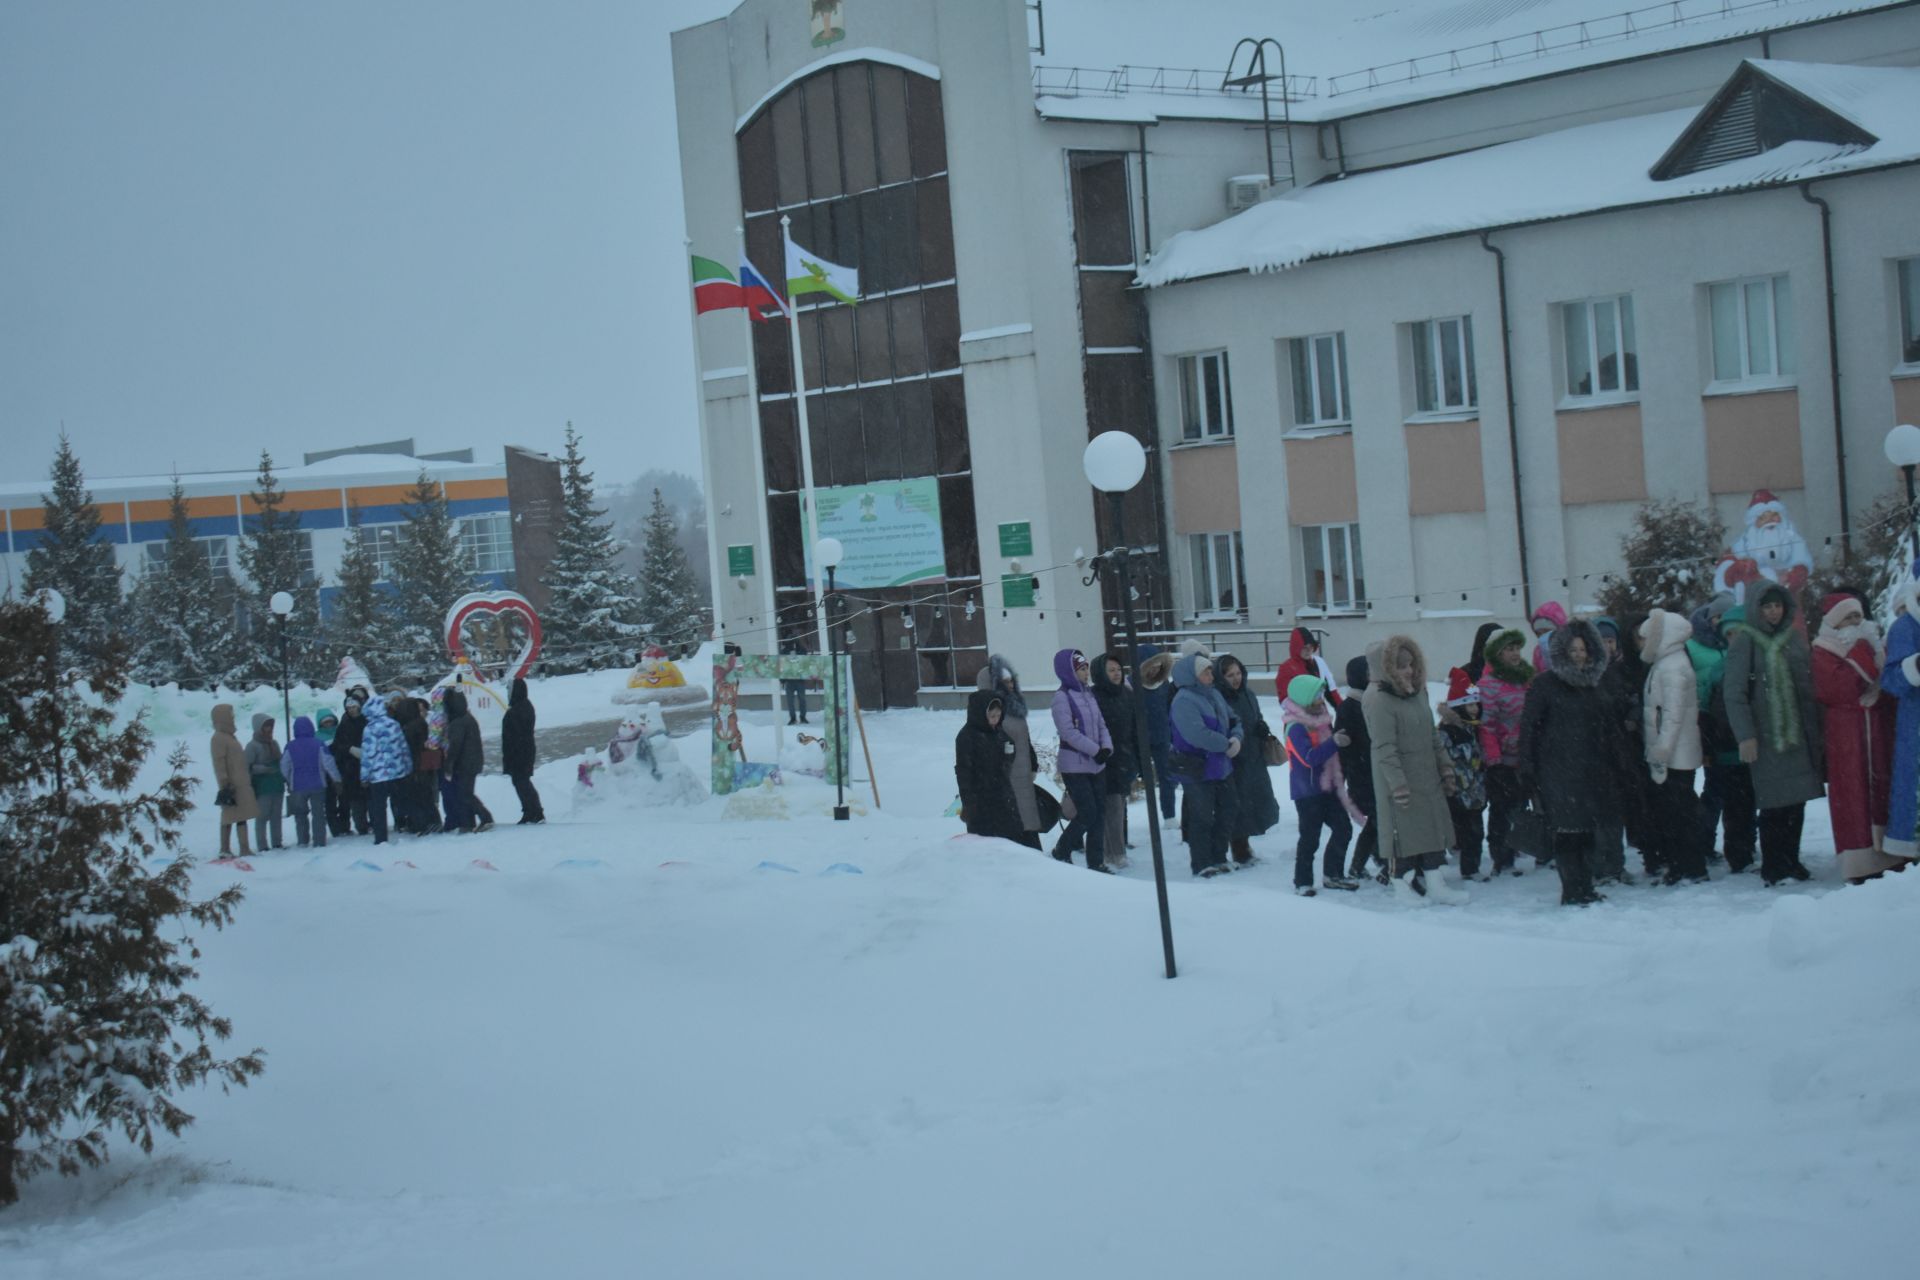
1206 489
1753 442
1320 483
1906 400
1444 470
1600 455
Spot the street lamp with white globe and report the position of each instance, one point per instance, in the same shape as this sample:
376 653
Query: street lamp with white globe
1114 462
827 553
282 605
1903 451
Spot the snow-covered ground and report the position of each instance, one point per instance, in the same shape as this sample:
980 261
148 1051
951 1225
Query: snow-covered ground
651 1042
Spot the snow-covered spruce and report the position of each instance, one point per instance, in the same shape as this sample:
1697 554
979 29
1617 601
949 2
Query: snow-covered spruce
590 620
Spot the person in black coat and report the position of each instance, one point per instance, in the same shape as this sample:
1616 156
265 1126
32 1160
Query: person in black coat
346 755
1118 708
407 813
1476 658
1259 808
982 753
1356 762
1567 756
1621 685
466 760
516 752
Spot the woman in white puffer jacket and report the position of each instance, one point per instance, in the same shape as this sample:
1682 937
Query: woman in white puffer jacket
1670 723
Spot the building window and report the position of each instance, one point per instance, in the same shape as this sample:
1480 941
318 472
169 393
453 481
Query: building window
1443 374
1219 574
1602 357
154 556
1335 577
487 543
1206 397
303 543
385 541
1752 329
1320 381
1910 311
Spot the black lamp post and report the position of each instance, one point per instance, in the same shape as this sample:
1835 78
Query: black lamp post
827 553
282 605
1114 462
1903 451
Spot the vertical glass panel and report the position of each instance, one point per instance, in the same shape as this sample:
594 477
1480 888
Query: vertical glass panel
1453 375
1302 382
926 126
1759 302
1630 348
1223 572
1109 310
823 137
1473 378
856 127
958 522
1119 392
1211 397
1102 218
875 353
919 454
887 237
1239 574
1339 581
1359 570
1910 311
1197 566
1189 397
940 309
1426 396
812 368
936 231
817 433
1783 332
1313 546
756 164
890 123
880 426
772 357
948 400
1327 375
1341 387
1226 392
1724 303
789 149
909 339
783 520
845 446
1573 321
1606 336
836 341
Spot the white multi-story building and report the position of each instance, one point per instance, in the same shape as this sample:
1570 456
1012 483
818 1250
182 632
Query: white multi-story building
1421 377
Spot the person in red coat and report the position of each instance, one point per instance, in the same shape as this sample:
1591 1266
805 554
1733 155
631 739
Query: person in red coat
1304 647
1847 657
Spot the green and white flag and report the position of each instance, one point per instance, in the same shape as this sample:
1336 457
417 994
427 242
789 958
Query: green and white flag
811 273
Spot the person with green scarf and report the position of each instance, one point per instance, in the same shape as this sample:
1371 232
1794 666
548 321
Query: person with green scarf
1768 689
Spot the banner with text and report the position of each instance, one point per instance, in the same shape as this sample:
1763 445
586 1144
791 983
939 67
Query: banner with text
890 532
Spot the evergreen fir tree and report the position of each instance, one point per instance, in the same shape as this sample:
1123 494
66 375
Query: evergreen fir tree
589 617
182 617
71 559
430 572
1669 553
271 555
670 594
362 624
97 1021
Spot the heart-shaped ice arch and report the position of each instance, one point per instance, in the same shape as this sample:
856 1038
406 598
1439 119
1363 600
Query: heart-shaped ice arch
495 602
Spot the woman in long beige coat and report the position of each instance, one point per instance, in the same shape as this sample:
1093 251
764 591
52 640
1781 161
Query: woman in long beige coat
230 774
1411 773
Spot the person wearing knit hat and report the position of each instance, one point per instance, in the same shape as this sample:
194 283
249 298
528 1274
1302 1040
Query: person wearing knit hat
1858 723
1304 659
1503 698
1316 782
1900 676
1726 796
1460 731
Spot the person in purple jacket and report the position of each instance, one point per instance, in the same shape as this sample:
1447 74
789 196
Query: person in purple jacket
1206 737
308 767
1085 748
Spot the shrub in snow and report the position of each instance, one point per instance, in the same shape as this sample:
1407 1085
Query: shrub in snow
95 1015
1670 553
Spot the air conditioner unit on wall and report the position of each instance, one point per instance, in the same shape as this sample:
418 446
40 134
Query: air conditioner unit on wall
1245 191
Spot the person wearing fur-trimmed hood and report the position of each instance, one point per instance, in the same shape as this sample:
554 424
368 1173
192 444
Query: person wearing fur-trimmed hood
1858 731
1770 704
1503 700
999 677
1900 676
1206 738
1670 742
1412 774
1085 749
1256 810
1565 756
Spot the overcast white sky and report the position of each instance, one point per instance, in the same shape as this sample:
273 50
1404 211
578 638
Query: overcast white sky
299 224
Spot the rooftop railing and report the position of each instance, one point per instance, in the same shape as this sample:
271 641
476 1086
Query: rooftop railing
1187 82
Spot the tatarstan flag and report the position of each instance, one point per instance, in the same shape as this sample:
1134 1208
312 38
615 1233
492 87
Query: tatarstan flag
714 289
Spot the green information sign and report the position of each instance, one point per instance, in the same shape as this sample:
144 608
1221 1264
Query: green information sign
1016 591
1016 538
740 562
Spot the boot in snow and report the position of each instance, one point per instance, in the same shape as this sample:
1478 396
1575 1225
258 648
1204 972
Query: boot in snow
1443 891
1339 882
1411 890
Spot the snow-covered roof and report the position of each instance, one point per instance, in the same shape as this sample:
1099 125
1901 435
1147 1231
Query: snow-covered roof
378 468
1367 57
1556 175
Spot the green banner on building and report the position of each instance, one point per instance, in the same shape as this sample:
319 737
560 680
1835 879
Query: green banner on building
1016 591
740 562
1016 538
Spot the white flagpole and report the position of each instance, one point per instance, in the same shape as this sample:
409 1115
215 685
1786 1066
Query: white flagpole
809 521
714 577
763 534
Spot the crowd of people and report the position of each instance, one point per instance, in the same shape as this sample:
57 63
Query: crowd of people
1691 739
383 766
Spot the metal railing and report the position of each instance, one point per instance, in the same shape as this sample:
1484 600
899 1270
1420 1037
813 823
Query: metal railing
1185 82
1546 42
1242 641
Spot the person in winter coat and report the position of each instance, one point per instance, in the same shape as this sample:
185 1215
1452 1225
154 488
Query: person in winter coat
1156 702
1460 733
324 729
1770 704
1085 749
1356 764
982 764
384 764
1411 772
517 754
1205 739
793 696
1857 729
1670 734
1621 686
347 742
1116 699
408 812
1900 676
1547 619
1565 756
466 761
1477 657
308 769
232 781
1303 659
1256 810
424 783
998 676
1503 701
1315 778
269 788
1726 798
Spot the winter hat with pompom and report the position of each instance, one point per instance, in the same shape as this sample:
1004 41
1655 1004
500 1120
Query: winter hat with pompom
1302 690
